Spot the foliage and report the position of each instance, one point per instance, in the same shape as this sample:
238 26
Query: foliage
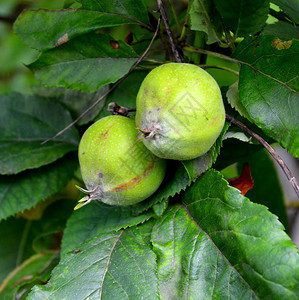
197 237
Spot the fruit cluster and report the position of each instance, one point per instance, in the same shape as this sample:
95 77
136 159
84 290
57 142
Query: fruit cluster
179 115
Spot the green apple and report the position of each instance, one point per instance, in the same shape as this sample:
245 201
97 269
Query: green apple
179 111
115 165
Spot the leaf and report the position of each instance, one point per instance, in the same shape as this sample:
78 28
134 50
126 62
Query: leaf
233 99
236 133
221 245
76 101
282 30
233 150
46 29
268 87
34 270
243 17
204 17
52 225
116 265
133 8
86 63
176 180
13 251
197 166
96 218
244 182
290 7
26 189
126 92
21 238
25 122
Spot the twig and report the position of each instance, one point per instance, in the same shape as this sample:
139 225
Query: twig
216 54
220 68
168 31
110 90
281 163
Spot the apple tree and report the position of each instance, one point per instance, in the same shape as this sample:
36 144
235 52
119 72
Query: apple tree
216 228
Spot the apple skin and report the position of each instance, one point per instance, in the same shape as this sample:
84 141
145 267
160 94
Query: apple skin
179 111
115 165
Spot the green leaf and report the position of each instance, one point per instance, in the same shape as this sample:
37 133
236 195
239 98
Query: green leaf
32 271
190 264
204 17
266 189
96 218
233 99
25 122
199 165
176 180
290 7
133 8
268 87
126 92
220 245
21 238
86 63
283 30
237 133
25 190
13 234
52 224
243 17
112 265
76 101
234 149
46 29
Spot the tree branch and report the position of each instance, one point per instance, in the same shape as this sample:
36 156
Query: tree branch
281 163
110 90
168 31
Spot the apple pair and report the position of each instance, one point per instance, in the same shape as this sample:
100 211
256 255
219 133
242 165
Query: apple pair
179 115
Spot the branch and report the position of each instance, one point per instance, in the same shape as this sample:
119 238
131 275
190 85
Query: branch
111 89
168 31
281 163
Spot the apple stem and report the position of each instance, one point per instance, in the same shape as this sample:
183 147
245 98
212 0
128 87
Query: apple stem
116 109
273 153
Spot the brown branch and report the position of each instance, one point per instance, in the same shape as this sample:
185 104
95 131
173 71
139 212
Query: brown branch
168 31
110 90
281 163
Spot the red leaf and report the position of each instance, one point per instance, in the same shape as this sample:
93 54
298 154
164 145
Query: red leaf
244 182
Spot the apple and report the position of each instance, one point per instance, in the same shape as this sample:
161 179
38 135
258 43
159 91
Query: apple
116 167
179 111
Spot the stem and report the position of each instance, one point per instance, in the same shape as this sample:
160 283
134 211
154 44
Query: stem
155 61
220 68
216 54
185 26
278 159
175 16
168 31
111 89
